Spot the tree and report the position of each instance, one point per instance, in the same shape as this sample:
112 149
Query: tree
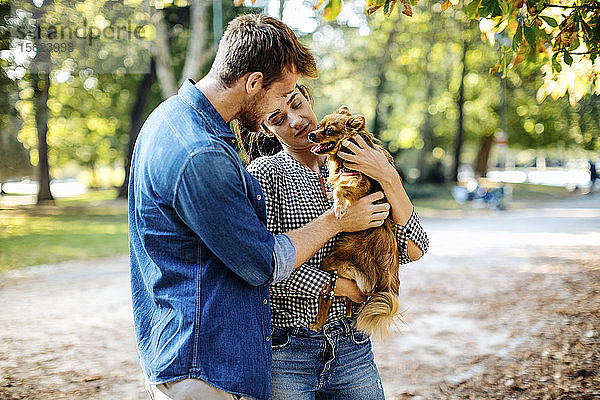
561 36
198 52
15 158
137 115
183 50
412 100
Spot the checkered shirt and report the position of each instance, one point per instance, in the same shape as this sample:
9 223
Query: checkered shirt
294 197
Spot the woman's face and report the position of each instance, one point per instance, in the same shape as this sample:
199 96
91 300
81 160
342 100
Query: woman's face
292 124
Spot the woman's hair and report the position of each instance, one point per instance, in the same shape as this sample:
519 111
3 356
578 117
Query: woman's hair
258 144
259 43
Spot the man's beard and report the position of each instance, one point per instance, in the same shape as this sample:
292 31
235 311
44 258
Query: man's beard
251 113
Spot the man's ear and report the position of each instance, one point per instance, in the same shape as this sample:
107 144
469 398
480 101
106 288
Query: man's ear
356 122
254 82
344 110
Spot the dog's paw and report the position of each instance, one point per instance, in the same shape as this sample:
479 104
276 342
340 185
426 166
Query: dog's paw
340 209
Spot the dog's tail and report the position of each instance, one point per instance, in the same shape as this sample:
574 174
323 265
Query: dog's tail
378 314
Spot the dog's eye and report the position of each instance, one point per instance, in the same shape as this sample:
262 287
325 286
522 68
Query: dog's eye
329 130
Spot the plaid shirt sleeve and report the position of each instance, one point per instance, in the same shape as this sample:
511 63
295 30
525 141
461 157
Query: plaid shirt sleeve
306 281
413 231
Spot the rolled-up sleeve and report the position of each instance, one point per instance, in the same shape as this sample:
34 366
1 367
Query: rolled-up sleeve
284 255
210 198
414 231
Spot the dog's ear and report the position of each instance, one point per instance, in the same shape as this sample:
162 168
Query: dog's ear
356 122
344 110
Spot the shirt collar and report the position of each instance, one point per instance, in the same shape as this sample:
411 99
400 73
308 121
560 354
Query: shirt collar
191 95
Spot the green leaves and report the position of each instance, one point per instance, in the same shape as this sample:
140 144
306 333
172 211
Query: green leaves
555 64
575 45
490 7
530 35
550 21
567 58
517 38
484 8
471 9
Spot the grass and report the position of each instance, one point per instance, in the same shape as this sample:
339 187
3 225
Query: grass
439 197
93 225
80 228
431 196
529 192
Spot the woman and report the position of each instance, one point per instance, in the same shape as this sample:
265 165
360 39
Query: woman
335 363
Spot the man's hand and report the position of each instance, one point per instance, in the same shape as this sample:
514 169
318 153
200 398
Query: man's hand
348 288
364 214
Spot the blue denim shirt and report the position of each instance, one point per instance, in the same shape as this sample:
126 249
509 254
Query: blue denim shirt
200 254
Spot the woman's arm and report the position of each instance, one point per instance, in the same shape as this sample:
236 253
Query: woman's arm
375 164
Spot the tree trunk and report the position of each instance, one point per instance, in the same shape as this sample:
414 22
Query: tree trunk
161 67
161 53
198 51
425 159
378 125
137 114
217 18
41 85
460 134
483 156
426 130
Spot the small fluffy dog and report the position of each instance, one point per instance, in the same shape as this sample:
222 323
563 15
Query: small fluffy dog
369 257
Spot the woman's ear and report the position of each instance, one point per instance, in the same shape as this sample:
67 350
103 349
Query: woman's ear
356 122
266 131
304 91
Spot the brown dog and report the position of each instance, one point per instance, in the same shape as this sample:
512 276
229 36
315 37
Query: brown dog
369 257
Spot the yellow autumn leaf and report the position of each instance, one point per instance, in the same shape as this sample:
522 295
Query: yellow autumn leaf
332 10
319 4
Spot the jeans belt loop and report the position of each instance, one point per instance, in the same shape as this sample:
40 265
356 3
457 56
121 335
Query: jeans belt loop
347 327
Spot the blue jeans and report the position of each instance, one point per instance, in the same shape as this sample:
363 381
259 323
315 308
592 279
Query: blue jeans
335 363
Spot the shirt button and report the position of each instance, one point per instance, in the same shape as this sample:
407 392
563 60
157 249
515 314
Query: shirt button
259 197
265 301
232 141
268 338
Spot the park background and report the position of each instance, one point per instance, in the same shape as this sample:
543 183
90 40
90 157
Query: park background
457 99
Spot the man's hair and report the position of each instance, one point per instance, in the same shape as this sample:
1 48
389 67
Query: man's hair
259 43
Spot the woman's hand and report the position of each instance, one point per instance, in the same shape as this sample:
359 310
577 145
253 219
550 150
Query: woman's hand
369 161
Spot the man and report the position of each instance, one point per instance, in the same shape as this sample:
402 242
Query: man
201 257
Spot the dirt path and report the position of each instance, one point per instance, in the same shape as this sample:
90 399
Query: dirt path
505 305
493 288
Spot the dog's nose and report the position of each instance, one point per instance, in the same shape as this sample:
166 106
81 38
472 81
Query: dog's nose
311 136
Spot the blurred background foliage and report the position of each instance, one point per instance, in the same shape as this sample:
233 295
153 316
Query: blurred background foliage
423 82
